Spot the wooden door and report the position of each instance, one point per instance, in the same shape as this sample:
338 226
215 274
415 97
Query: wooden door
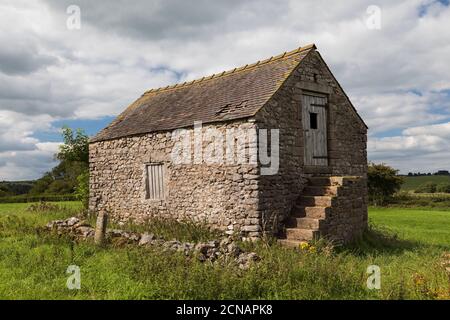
314 118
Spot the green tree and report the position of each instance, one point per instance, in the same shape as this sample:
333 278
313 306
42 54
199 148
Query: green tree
74 153
72 169
382 182
75 147
82 189
42 184
4 191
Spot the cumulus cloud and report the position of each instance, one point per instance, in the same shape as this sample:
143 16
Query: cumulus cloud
424 147
24 165
398 110
398 77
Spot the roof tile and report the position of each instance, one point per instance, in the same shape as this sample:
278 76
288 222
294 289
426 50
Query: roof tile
229 95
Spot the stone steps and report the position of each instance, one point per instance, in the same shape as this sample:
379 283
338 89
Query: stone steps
308 217
313 201
320 191
311 212
301 234
325 181
291 243
319 181
305 223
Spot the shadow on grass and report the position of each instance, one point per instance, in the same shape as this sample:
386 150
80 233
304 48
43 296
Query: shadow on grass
377 240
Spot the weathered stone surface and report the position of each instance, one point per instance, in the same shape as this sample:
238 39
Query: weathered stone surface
215 193
234 197
146 238
347 155
72 221
205 251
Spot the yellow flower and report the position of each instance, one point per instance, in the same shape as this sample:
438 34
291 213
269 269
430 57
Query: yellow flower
304 246
418 279
312 249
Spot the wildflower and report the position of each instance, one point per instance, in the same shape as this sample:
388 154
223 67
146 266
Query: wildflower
304 246
418 279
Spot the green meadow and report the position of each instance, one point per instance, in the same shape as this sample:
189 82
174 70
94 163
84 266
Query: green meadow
409 246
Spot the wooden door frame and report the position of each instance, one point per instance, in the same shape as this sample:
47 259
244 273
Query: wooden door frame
324 92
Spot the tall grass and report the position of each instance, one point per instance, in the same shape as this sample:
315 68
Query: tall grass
33 265
170 229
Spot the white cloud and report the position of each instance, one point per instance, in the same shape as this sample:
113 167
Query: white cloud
49 72
417 148
397 110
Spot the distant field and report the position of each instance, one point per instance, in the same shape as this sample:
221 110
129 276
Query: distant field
411 183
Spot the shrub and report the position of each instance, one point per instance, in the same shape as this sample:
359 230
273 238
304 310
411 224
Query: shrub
82 190
443 187
428 187
382 182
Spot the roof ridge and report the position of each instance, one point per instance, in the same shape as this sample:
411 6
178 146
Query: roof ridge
233 71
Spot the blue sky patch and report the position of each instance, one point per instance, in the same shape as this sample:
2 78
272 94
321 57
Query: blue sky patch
91 127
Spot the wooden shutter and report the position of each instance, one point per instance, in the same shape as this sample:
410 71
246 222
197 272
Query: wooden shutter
155 181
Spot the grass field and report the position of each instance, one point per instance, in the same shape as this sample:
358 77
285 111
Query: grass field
33 264
425 226
412 183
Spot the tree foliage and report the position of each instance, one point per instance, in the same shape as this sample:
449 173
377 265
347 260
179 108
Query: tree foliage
75 147
72 170
82 189
382 182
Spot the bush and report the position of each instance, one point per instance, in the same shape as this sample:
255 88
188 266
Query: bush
429 187
443 187
382 182
82 190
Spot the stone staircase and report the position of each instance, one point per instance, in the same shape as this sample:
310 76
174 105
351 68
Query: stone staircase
308 217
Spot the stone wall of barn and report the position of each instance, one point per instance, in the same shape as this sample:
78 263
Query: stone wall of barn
347 143
279 192
347 217
235 197
224 195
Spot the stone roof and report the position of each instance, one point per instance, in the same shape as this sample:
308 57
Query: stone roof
230 95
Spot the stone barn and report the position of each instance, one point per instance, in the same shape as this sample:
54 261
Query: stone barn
274 147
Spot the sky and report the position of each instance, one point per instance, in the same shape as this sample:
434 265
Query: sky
391 57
